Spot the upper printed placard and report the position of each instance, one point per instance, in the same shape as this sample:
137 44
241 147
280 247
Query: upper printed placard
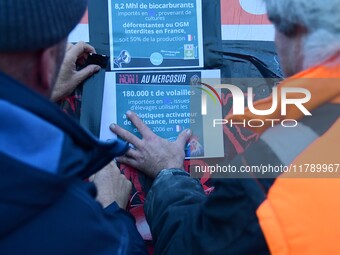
155 35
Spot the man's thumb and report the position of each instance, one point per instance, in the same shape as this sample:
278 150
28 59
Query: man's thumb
183 137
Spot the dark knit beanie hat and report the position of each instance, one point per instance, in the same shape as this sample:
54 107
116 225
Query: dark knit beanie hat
28 25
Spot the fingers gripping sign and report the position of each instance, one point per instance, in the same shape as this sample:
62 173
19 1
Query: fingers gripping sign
151 154
69 77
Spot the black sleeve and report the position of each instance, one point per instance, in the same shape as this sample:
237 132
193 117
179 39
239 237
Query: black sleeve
184 221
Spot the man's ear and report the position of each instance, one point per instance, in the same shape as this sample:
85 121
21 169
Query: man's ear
48 61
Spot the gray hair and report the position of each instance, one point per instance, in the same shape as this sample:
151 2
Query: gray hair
321 19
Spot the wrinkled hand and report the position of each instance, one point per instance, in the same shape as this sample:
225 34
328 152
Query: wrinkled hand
69 78
152 153
112 186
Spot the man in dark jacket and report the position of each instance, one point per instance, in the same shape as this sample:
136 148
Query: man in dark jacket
45 206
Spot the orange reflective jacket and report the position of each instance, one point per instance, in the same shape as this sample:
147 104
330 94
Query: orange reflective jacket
301 214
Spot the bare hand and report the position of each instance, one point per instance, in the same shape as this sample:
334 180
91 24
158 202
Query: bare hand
112 186
69 78
153 153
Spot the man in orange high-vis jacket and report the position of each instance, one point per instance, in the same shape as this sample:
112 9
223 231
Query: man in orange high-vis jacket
294 214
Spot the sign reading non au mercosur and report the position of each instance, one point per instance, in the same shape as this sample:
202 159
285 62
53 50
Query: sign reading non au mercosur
168 102
155 34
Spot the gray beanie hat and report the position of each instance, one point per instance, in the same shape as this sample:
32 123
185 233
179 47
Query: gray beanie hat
28 25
